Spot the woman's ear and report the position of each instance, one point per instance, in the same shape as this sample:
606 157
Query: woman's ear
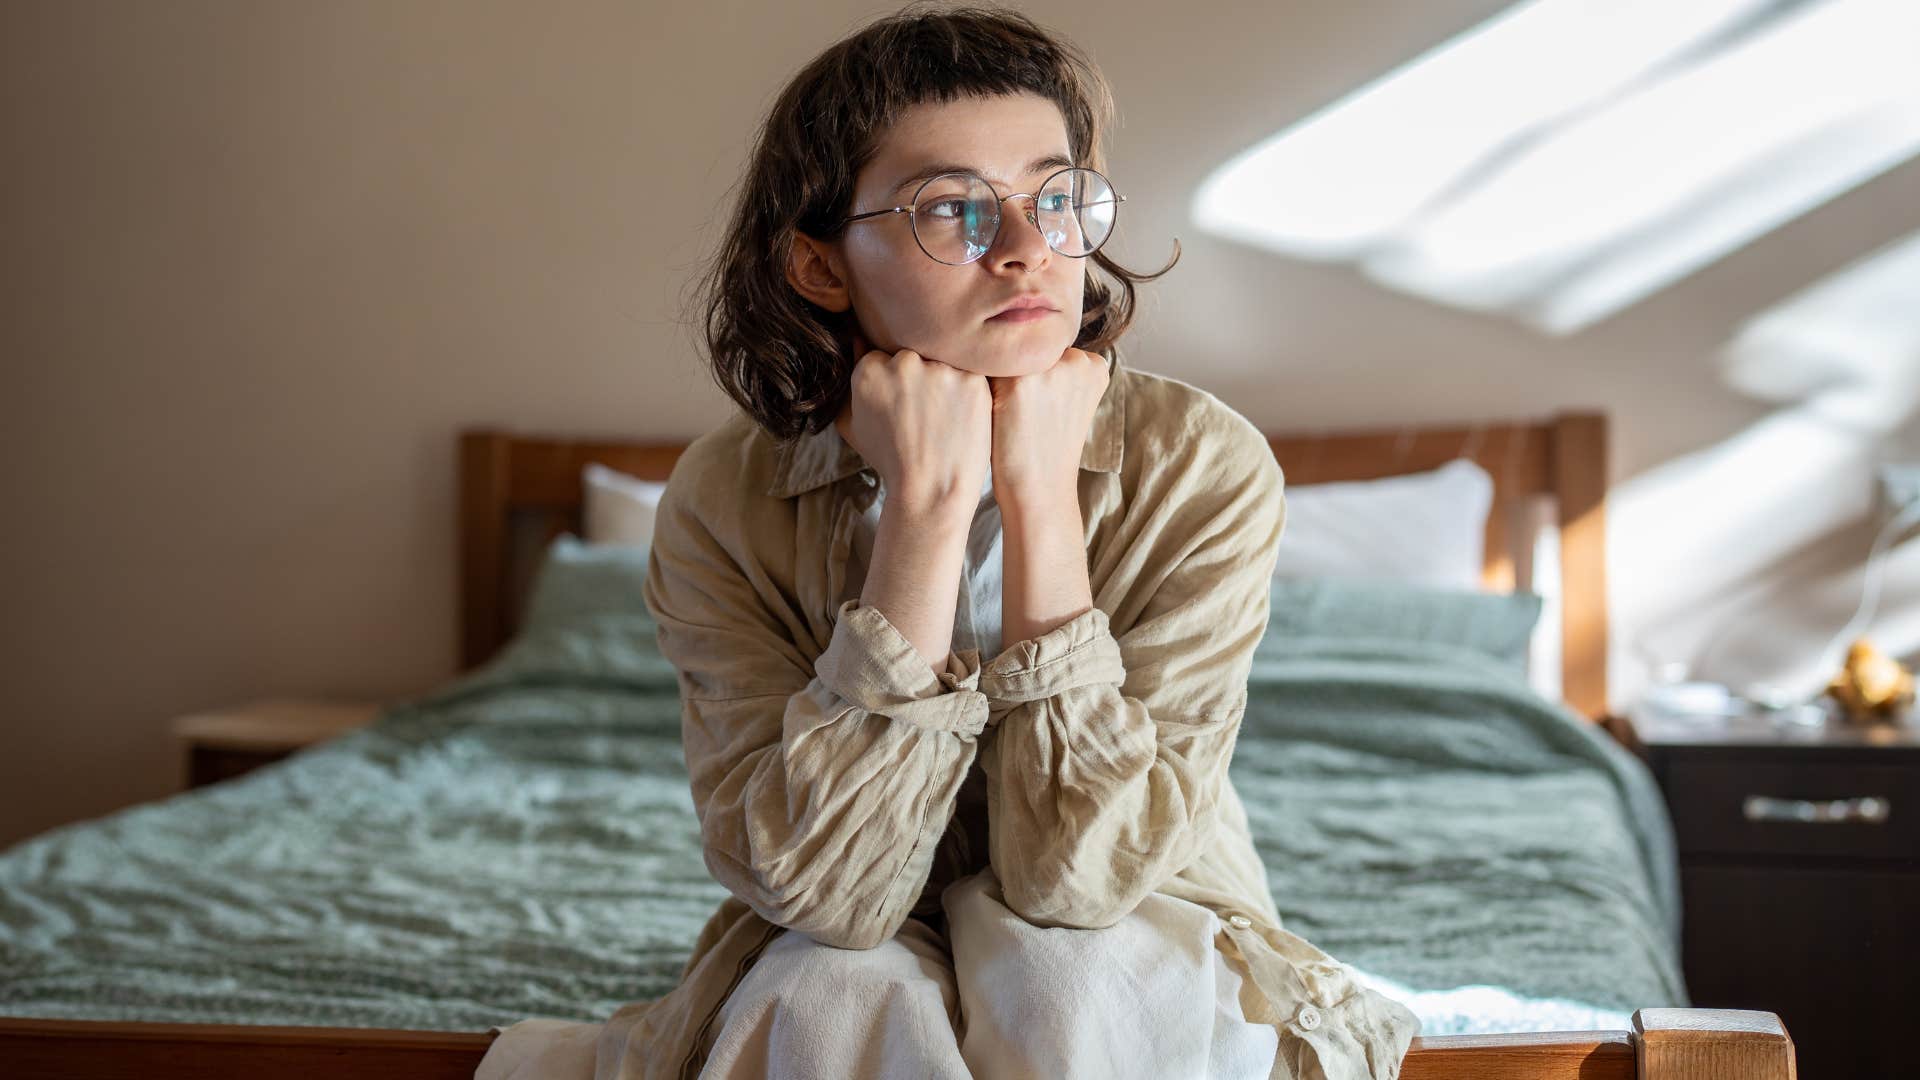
812 271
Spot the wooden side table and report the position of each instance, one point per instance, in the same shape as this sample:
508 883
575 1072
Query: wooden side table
227 742
1800 874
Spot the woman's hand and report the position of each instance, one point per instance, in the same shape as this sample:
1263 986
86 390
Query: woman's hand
925 426
1040 425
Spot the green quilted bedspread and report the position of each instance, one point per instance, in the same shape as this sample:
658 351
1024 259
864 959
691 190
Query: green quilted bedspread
1422 814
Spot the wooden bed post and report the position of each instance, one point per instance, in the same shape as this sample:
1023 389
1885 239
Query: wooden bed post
485 492
1579 466
1711 1044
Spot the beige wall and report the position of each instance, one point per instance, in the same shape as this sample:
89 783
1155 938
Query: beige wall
264 259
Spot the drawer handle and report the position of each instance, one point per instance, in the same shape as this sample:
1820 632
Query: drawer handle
1867 810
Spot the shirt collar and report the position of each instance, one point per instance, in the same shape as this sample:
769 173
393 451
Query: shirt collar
822 457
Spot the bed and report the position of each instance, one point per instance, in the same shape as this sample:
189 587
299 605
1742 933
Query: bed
384 902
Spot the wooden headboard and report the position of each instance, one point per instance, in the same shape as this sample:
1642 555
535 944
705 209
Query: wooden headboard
518 492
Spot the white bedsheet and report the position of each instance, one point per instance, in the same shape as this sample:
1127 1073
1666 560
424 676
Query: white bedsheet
1476 1010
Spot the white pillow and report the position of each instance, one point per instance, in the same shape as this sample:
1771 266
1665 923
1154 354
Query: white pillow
1427 528
619 508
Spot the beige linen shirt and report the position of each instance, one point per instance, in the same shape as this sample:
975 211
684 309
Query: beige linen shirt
830 763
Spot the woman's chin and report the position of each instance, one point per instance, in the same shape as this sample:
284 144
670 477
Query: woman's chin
1013 363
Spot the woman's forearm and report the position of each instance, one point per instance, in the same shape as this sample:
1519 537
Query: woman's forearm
914 578
1044 579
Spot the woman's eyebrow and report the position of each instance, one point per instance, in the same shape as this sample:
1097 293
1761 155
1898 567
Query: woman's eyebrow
928 172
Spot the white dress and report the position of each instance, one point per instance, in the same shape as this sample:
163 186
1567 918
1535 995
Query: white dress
1151 996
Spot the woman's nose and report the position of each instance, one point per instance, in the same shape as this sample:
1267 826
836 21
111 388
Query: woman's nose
1020 239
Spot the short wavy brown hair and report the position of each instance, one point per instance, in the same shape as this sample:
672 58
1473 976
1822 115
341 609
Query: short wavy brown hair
789 362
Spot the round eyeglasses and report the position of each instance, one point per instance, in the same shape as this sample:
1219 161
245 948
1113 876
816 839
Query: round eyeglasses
956 216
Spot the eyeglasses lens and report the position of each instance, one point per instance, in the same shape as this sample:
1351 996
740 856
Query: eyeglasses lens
958 215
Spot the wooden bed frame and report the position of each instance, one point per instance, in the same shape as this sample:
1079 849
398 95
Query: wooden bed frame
518 492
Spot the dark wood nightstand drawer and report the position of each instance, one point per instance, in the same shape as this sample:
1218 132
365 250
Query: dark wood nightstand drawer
1722 806
1828 947
1815 918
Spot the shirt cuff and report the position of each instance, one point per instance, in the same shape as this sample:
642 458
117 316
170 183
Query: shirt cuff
1363 1036
871 664
1079 652
1330 1023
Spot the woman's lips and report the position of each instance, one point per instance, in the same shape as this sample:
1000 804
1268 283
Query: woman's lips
1025 314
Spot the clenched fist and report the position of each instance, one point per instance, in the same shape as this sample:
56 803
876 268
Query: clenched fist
1040 425
925 426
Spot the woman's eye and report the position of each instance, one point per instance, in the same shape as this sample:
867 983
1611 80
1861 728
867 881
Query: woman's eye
947 208
1057 203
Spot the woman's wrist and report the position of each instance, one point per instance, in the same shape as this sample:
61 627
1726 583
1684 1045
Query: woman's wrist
1021 502
952 509
914 577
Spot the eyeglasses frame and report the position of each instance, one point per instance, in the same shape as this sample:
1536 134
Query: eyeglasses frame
997 216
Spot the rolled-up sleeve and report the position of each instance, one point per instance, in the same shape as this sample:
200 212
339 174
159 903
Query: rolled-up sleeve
1362 1036
1331 1024
824 784
1110 753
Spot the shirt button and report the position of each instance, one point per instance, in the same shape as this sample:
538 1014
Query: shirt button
1240 922
1308 1018
868 479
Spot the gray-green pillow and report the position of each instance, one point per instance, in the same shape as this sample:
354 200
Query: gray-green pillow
578 581
1498 625
585 624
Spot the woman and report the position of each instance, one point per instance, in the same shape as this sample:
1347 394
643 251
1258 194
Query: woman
949 857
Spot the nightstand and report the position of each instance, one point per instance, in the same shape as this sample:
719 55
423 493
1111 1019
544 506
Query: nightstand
227 742
1800 874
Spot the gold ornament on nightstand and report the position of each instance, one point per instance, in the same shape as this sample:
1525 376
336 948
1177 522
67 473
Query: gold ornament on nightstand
1873 687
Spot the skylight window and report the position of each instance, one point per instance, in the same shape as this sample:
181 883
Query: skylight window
1570 157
